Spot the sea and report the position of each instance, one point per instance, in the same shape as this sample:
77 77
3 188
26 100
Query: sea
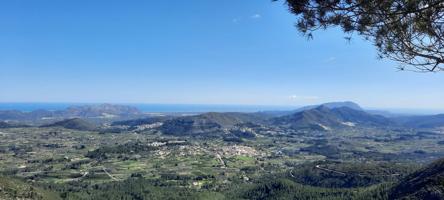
152 108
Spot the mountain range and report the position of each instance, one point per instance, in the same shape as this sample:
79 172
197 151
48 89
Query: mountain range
317 117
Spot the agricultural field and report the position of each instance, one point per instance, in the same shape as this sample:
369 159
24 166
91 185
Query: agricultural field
60 157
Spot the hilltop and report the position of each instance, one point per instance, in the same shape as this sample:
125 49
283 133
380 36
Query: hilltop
325 118
329 105
208 122
75 124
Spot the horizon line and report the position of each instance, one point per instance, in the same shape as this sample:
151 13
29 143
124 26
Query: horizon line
397 110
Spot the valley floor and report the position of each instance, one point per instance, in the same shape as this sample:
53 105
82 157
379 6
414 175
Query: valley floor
341 163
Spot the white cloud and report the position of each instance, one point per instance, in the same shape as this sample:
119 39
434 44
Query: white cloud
255 16
330 60
303 98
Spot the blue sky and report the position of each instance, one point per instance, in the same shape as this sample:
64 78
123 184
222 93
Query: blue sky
198 52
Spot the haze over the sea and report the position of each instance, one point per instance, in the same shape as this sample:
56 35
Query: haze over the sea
194 108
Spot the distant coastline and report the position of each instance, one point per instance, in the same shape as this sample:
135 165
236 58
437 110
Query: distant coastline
161 108
193 108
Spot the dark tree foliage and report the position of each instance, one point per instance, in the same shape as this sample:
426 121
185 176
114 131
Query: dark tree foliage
271 188
410 32
330 174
